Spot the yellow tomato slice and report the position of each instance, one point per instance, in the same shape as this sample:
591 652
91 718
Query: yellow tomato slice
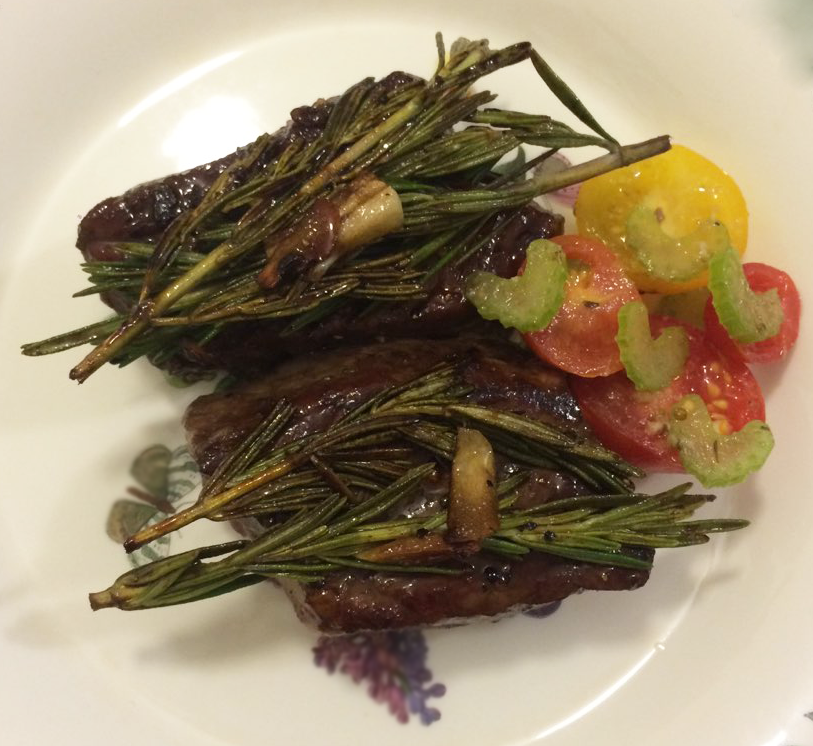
682 187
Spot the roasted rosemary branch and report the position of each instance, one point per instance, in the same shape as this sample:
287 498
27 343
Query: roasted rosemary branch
424 412
337 499
598 529
225 260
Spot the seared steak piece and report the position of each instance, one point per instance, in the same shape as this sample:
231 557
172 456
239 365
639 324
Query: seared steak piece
324 386
357 601
145 212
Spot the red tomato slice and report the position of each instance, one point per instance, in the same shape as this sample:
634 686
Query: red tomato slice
634 423
581 337
761 277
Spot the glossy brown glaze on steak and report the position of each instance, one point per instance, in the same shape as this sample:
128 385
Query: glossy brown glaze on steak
356 601
322 387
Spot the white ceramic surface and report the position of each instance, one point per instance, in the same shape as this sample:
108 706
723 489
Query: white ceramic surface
96 96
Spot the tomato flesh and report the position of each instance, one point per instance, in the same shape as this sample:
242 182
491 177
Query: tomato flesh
634 423
761 277
581 337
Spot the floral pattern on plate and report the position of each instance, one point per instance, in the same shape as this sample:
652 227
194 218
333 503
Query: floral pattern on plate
392 663
167 480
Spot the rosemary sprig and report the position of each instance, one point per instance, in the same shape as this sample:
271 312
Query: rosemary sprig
436 402
599 529
202 272
331 498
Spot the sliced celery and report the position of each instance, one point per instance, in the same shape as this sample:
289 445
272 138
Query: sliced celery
668 258
529 301
651 364
716 460
747 316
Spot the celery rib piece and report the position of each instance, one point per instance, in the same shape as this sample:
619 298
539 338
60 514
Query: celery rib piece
651 364
529 301
716 460
673 259
747 316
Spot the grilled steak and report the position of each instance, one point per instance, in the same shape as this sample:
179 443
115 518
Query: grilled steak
145 212
322 387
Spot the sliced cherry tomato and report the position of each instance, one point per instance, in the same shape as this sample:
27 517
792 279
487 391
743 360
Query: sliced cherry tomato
581 337
761 277
684 189
634 423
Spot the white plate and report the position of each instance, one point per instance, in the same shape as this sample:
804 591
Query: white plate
97 96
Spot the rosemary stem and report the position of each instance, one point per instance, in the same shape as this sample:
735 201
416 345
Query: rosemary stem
211 503
623 156
142 315
361 146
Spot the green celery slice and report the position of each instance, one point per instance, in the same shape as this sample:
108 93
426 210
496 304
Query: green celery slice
716 460
529 301
747 316
668 258
651 364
